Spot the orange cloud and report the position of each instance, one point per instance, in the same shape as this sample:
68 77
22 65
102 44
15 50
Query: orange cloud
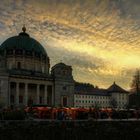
99 38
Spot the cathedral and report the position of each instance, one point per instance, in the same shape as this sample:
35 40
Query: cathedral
26 77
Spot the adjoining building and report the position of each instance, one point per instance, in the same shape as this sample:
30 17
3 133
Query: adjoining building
26 78
89 96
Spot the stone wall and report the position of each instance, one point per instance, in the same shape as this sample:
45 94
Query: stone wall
69 130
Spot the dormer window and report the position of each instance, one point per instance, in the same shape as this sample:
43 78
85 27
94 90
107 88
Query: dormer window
28 53
37 55
19 52
9 52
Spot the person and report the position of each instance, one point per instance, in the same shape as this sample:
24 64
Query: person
60 115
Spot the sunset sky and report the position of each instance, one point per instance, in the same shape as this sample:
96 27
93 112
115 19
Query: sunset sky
100 39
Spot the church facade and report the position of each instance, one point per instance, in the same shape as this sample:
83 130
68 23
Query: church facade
26 78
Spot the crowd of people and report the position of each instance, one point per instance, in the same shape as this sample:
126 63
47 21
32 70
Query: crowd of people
81 113
63 113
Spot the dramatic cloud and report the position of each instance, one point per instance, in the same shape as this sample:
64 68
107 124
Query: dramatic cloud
99 38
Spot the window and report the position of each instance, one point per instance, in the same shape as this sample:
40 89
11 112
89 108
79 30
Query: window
44 57
40 99
29 53
19 65
9 52
64 88
19 52
20 99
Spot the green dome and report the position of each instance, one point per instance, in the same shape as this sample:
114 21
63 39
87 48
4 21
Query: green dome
24 42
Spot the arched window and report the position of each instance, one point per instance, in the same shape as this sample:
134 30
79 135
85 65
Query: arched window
19 65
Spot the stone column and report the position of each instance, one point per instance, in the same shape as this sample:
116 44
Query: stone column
17 94
45 94
37 94
9 94
26 95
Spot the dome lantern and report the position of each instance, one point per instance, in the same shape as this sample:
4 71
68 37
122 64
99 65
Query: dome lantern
24 28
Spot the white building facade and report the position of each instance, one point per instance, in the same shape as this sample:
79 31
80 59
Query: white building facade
114 96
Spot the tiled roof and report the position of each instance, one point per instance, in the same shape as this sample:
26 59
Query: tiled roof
115 88
86 89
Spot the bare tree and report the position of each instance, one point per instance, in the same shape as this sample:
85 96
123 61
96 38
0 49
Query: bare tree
135 87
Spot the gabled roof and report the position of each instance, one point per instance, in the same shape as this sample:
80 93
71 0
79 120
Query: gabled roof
87 89
115 88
